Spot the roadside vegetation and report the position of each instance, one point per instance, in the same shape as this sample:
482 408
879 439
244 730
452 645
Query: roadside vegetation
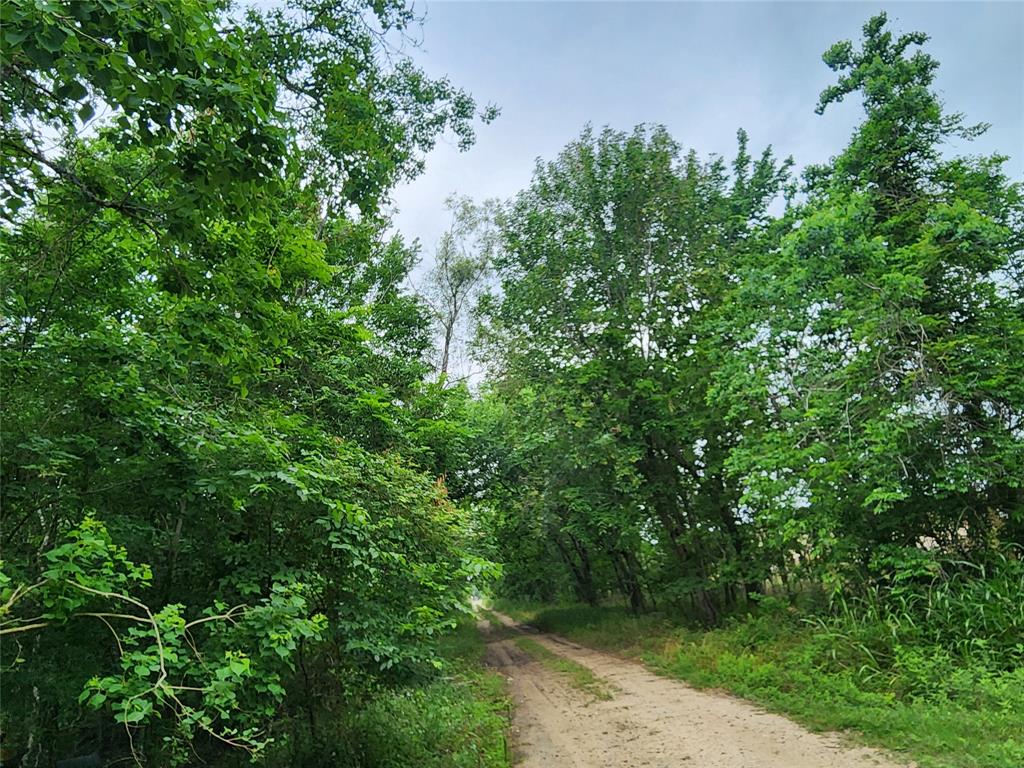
787 445
233 482
578 676
893 676
459 719
776 415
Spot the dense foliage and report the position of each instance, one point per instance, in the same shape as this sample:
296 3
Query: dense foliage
706 398
244 492
615 262
223 494
794 427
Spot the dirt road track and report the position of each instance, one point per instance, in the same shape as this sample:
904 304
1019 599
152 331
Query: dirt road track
650 721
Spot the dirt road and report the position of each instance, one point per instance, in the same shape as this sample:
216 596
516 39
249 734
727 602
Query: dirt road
649 721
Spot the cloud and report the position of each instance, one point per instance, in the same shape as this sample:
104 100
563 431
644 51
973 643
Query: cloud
702 69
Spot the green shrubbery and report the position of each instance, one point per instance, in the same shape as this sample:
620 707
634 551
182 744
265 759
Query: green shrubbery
970 610
934 670
451 723
456 719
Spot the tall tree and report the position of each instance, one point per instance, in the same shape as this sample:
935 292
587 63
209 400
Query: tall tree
611 266
462 264
216 481
875 368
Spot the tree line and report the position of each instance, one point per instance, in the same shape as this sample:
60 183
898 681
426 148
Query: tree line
719 377
242 490
224 451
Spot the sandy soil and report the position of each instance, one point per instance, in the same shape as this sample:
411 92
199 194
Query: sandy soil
650 721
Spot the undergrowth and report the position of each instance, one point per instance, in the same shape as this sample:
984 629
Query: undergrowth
458 719
933 671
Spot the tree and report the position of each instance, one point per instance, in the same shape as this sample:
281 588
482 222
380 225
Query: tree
461 266
876 361
218 101
612 264
216 483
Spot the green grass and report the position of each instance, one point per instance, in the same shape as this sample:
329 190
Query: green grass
458 719
576 674
916 700
498 630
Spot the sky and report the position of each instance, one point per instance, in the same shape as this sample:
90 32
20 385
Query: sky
701 69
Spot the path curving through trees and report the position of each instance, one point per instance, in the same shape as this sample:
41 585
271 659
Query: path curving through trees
649 721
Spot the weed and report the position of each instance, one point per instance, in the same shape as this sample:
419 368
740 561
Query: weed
458 719
578 675
884 672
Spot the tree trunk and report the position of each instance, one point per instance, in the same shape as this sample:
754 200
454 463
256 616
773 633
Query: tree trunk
584 578
449 332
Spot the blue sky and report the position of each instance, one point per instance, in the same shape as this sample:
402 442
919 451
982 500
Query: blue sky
701 69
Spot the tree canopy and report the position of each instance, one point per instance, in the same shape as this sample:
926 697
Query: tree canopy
222 464
241 492
715 376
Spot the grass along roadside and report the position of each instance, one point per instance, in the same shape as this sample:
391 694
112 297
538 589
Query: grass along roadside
919 703
498 629
578 676
456 720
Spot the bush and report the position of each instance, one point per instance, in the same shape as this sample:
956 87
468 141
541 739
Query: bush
457 719
948 694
